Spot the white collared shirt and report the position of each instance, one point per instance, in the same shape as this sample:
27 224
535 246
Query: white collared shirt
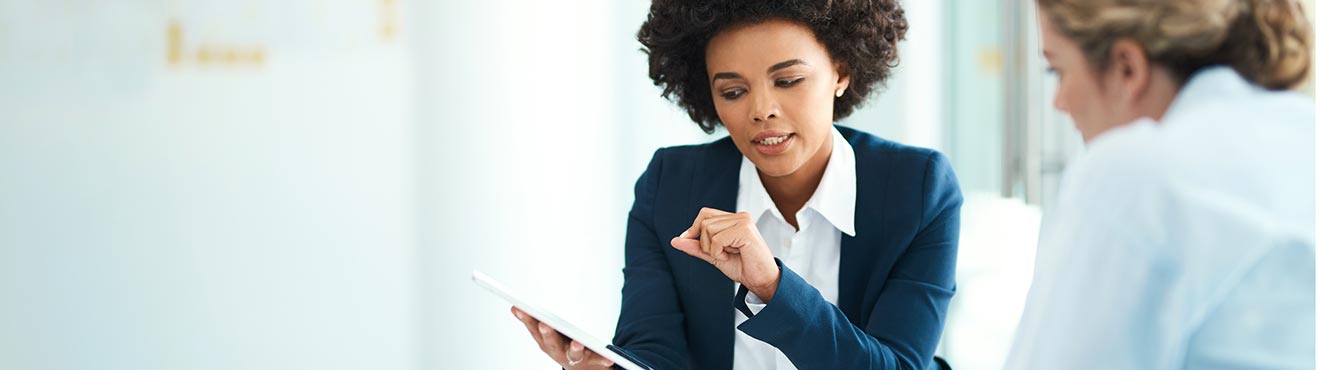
1184 244
812 251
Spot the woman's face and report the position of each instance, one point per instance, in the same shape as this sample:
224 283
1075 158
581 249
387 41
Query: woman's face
774 86
1082 92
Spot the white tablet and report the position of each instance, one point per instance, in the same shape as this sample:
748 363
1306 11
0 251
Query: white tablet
599 346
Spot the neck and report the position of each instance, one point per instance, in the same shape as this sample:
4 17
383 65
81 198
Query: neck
1162 91
792 191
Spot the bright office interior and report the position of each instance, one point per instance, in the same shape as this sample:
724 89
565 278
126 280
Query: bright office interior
307 184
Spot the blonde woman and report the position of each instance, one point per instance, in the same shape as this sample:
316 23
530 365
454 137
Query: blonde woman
1184 238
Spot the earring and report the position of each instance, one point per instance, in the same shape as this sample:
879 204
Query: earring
839 92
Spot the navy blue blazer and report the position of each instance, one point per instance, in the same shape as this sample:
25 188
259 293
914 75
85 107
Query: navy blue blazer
895 275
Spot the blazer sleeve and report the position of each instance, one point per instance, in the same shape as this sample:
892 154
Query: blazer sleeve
650 323
908 317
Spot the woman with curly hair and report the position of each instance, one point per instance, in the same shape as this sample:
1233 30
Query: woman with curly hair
793 242
1184 238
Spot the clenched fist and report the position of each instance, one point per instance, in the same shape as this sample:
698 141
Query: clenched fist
731 242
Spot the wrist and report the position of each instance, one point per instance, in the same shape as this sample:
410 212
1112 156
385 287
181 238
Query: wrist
766 291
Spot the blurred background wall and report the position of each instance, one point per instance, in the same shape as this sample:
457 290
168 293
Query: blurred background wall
307 184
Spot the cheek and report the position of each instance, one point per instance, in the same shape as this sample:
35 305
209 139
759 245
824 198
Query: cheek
809 105
733 115
1068 99
823 98
1089 108
1076 96
812 114
730 113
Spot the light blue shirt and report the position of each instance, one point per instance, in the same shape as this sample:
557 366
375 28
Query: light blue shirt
1184 244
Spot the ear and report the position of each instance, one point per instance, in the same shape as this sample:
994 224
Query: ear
1129 69
841 84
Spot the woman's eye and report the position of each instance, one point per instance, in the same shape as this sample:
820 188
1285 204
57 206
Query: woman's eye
788 82
733 94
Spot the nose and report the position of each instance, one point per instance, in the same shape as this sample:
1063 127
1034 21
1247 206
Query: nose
1058 103
764 107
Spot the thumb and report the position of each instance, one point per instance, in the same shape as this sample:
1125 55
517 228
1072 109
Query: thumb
690 233
690 246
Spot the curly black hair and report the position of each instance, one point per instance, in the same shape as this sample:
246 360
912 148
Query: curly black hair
863 34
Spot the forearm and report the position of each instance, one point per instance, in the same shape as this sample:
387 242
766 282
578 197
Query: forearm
814 333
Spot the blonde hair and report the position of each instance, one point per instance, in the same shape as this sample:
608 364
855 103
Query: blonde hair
1266 41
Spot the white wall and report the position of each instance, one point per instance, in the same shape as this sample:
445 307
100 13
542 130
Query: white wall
536 120
204 215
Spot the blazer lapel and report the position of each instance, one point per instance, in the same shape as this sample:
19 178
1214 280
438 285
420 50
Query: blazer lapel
716 186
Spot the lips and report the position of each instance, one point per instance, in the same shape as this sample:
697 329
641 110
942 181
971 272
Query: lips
773 142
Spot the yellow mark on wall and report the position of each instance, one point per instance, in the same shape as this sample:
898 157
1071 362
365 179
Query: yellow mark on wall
174 46
257 56
389 20
209 55
204 55
990 60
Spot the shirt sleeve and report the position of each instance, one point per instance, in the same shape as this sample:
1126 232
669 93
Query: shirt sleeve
754 303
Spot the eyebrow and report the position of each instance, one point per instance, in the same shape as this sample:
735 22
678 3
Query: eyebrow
725 75
785 64
776 67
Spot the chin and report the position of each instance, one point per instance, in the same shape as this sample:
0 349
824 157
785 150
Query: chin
778 167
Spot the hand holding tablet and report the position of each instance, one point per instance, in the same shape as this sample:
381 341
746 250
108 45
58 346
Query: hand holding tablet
568 345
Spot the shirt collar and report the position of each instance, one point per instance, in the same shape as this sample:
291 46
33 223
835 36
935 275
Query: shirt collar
835 198
1216 82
